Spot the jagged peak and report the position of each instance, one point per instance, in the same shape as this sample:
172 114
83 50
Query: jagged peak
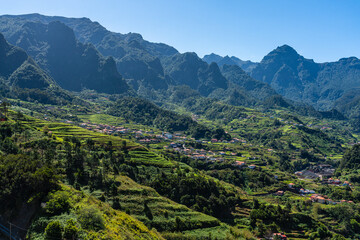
133 36
286 49
212 55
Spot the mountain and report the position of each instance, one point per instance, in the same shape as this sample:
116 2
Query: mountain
136 59
349 103
189 69
247 66
301 79
154 69
239 77
146 66
22 78
73 65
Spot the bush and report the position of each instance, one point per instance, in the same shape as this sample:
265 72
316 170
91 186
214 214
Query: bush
91 218
59 202
53 231
71 231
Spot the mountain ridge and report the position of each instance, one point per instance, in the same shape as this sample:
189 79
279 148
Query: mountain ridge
247 65
301 79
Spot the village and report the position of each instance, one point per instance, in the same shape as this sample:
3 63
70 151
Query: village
176 142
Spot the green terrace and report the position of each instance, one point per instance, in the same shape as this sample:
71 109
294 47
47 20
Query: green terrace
138 154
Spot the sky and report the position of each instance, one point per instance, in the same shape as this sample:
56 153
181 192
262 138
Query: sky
323 30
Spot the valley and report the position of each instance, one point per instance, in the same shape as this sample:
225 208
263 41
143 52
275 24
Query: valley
108 136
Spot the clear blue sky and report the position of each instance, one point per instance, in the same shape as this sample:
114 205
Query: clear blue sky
324 30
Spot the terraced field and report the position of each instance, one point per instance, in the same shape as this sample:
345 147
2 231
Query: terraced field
137 153
166 214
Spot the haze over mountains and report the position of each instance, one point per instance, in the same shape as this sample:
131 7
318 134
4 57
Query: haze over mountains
74 52
22 78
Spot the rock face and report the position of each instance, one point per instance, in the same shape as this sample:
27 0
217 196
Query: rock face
21 77
136 59
18 70
73 65
189 69
301 79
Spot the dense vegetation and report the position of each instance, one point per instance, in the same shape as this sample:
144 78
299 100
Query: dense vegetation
144 112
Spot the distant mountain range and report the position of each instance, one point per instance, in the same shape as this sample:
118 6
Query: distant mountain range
81 54
301 79
247 66
146 66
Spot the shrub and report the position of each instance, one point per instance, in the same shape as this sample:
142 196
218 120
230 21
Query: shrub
53 231
59 202
71 231
91 218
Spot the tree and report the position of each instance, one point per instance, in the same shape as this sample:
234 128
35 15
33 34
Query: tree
323 232
4 108
53 231
59 202
116 203
148 212
91 218
256 204
71 231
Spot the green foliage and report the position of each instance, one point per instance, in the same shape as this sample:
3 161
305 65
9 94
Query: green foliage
53 231
144 112
22 177
59 202
91 218
71 231
148 212
351 158
212 109
198 192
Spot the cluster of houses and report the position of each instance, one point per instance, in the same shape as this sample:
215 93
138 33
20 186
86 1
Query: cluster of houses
279 236
199 154
147 136
321 127
325 200
337 182
241 164
234 140
320 171
140 135
104 128
315 197
293 188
